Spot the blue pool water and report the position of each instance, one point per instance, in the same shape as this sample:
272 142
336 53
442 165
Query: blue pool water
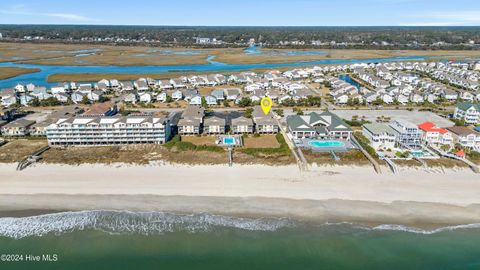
320 144
229 140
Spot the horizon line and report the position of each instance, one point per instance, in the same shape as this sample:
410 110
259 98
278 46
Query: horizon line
173 25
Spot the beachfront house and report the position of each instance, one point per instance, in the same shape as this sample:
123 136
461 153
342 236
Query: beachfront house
108 130
191 120
40 129
468 112
466 137
434 135
325 125
242 125
214 125
17 128
381 136
264 123
407 135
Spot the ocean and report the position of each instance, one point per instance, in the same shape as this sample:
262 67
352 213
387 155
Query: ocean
128 240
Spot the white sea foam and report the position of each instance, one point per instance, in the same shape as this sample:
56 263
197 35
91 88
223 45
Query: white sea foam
393 227
119 222
130 222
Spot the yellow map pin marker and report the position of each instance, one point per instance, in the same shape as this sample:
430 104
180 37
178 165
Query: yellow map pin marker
266 104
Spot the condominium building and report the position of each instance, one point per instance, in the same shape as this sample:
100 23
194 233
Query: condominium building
109 130
407 135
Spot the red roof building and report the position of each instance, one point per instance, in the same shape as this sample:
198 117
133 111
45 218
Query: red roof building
430 127
460 153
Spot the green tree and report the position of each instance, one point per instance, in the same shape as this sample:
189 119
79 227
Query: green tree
248 112
85 100
245 102
226 103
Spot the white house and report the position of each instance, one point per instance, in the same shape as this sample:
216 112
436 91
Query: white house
196 100
434 135
162 97
381 136
468 112
145 97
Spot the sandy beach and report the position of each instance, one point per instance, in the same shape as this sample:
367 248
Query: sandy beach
323 194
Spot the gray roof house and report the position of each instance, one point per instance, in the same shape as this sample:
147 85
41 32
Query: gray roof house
264 123
242 125
219 94
214 125
191 121
325 125
20 127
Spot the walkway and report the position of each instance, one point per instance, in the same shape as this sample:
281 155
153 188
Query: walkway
375 164
301 161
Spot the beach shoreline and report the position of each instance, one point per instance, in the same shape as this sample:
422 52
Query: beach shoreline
324 194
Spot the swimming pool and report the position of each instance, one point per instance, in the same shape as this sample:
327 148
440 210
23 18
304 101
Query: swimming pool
320 144
229 141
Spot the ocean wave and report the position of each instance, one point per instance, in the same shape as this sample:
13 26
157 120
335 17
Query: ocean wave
393 227
147 223
130 222
402 228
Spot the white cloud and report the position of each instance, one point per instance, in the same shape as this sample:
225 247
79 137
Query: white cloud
445 18
430 24
68 16
21 9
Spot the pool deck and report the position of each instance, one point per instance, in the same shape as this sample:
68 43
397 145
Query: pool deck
223 139
304 143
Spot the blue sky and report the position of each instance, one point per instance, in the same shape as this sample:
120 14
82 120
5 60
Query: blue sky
244 12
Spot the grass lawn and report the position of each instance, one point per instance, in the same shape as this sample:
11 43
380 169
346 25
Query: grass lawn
445 162
263 141
280 155
352 157
131 154
200 140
